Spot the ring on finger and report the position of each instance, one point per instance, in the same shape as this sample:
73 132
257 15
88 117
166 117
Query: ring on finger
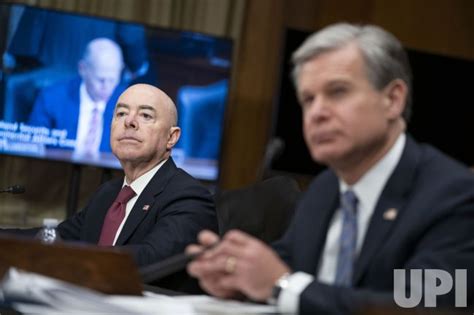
230 264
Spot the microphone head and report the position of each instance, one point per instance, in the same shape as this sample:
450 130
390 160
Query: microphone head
16 189
275 148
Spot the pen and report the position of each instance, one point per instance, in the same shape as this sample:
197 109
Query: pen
170 265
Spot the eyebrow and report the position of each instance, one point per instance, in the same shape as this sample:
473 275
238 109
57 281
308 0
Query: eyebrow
119 105
140 107
149 107
338 82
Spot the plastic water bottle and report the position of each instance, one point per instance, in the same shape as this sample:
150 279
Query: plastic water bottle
48 234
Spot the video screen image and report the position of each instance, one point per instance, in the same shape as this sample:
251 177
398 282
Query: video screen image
62 74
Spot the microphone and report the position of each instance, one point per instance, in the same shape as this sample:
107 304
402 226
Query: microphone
15 189
274 149
168 266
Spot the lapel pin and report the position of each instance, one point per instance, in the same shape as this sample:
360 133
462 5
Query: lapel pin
146 207
390 214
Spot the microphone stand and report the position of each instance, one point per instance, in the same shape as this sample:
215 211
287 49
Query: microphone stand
273 150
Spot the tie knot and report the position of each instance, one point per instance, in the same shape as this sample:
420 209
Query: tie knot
125 195
349 201
95 108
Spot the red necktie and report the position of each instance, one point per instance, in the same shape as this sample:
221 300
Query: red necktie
115 216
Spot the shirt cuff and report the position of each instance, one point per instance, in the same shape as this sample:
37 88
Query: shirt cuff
288 300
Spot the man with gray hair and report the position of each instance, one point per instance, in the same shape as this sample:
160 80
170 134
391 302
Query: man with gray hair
84 106
385 202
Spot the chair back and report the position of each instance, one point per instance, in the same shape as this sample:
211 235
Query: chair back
263 209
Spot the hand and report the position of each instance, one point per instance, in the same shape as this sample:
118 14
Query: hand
240 263
204 268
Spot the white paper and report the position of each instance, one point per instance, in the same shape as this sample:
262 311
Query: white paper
38 294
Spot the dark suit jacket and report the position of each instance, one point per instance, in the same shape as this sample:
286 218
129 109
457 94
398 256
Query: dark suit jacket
179 207
58 107
434 196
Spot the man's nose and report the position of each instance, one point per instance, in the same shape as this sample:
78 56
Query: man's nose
318 109
131 121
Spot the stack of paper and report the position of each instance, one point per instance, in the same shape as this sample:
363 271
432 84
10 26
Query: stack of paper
32 293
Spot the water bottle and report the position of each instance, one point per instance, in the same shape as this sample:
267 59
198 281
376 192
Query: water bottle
48 234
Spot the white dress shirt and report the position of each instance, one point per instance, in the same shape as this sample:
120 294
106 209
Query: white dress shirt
367 189
86 108
138 185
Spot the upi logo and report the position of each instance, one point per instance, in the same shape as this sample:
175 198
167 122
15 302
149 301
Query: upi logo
436 282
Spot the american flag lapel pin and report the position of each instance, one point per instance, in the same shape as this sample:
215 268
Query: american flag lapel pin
146 207
390 214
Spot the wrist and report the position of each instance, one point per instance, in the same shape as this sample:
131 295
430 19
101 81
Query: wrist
280 285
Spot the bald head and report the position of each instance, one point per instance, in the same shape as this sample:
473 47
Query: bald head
154 95
101 68
103 51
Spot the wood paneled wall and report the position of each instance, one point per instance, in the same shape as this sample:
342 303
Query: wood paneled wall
251 95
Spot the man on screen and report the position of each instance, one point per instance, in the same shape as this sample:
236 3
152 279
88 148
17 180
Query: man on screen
385 203
84 106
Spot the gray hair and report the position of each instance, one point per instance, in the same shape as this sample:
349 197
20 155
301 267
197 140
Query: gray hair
384 56
103 49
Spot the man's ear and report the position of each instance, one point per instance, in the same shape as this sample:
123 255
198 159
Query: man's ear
395 98
175 133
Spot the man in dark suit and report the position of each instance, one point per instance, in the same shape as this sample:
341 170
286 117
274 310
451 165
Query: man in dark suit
385 203
84 106
164 207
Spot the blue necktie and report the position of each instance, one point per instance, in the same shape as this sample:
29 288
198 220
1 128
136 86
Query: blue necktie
348 241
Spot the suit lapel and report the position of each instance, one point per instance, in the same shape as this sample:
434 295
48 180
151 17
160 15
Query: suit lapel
389 208
146 201
108 117
73 110
321 211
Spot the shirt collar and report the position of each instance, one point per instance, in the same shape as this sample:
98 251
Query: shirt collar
369 187
86 100
139 184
